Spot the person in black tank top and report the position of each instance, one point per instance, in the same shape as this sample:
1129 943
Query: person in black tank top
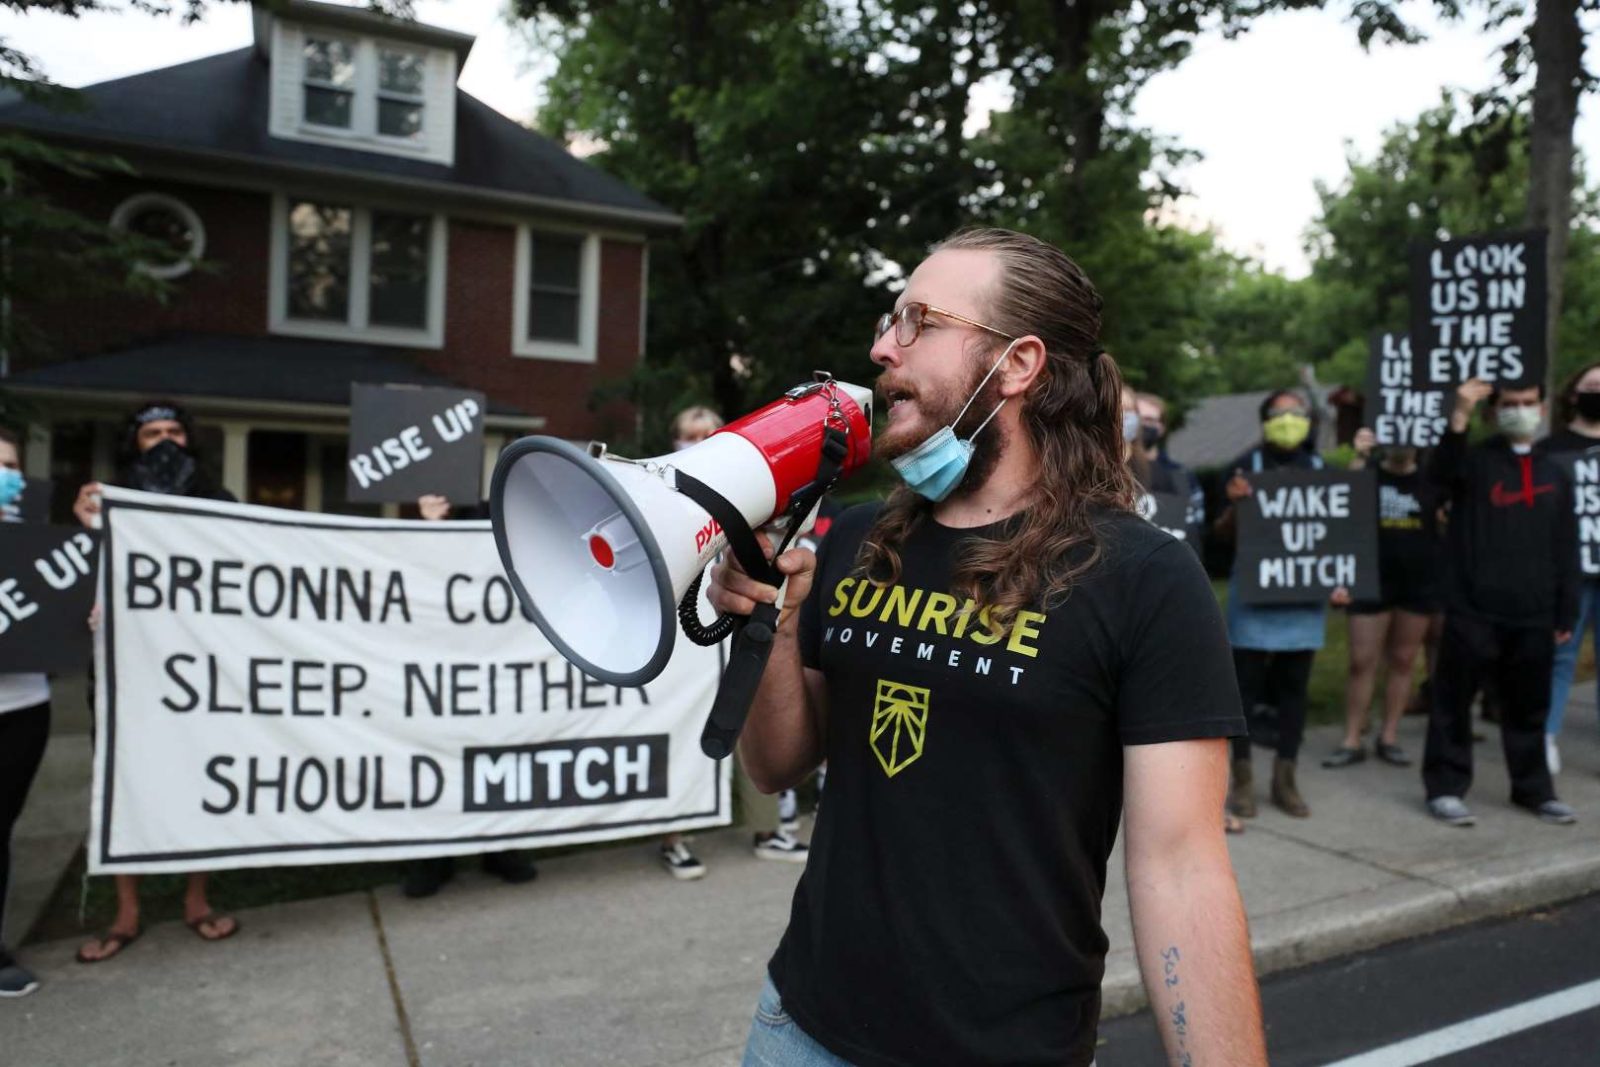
1391 630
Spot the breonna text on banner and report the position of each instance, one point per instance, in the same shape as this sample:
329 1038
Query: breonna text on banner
1397 412
1305 533
407 440
1585 471
46 592
278 687
1478 311
1168 511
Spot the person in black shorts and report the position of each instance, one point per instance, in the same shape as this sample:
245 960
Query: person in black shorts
1392 629
1003 664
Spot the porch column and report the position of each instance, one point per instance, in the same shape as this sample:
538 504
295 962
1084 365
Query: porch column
236 458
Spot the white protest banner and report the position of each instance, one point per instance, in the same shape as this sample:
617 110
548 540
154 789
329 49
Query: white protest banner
279 687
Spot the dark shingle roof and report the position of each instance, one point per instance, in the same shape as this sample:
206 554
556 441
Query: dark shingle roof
276 369
217 106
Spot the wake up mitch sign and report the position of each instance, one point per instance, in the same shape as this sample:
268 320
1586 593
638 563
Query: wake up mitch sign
1305 533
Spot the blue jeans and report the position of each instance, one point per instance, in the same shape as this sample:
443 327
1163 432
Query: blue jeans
777 1040
1566 664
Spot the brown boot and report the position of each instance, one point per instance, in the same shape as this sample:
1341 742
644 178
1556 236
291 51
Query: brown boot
1284 792
1242 796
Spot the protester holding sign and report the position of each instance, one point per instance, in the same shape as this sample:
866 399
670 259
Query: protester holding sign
24 729
689 427
1577 443
1393 627
1510 598
1273 645
1167 475
156 456
425 877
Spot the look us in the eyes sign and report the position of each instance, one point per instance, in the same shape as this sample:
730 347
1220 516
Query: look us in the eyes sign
1305 533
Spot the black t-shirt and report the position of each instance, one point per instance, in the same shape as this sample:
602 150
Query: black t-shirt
1563 441
1408 542
950 908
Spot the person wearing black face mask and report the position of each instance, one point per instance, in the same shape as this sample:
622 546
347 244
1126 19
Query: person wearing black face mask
156 458
1579 409
1167 475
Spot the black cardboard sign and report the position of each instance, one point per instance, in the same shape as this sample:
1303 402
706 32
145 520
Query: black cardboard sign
1478 310
47 586
1584 469
1305 533
1167 511
1396 412
32 506
407 441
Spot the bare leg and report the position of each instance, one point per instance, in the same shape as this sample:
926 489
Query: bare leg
1407 633
1367 634
197 910
126 924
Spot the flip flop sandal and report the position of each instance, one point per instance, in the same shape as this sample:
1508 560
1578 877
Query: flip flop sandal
1344 757
106 940
212 918
1232 824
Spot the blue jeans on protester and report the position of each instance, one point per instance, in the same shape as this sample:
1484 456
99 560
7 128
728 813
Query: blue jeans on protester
777 1040
1566 663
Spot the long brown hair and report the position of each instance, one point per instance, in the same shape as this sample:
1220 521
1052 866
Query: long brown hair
1072 416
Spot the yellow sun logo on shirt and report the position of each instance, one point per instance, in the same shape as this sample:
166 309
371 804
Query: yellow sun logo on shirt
899 725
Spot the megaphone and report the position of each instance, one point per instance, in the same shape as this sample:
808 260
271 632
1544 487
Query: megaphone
601 549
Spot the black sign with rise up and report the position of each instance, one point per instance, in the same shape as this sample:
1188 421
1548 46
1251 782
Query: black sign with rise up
408 441
47 586
1478 311
1305 533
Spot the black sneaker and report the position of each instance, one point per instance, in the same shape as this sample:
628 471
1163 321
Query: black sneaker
781 845
514 868
15 979
681 863
424 877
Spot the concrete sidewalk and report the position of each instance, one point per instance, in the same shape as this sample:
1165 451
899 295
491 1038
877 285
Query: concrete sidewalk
605 960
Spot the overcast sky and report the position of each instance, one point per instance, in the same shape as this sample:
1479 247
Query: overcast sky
1272 112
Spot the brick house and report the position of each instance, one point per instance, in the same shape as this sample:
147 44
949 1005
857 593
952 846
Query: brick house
358 218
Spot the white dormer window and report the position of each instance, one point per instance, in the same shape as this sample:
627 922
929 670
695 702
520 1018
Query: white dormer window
330 82
369 93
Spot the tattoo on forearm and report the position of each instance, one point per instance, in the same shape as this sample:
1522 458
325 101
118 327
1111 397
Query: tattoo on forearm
1178 1011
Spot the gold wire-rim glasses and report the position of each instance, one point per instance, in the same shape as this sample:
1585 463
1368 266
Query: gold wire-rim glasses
913 314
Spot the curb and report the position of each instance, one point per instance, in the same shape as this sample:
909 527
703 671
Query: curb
1424 908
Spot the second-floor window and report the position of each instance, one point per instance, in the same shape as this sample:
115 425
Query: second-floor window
352 270
556 295
330 82
364 88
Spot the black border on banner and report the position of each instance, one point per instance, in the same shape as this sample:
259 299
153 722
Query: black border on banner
106 859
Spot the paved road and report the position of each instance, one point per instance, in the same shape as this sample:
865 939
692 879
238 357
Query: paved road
1523 991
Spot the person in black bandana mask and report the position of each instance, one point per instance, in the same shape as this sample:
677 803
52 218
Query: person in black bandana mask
156 457
1579 411
1001 665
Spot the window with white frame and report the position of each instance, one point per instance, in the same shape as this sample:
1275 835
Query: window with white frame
363 88
401 78
342 270
557 281
330 82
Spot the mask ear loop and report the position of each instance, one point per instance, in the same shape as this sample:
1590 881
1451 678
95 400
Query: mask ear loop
957 420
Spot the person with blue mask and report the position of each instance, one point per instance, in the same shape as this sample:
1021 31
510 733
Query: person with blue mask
24 729
1002 664
1273 645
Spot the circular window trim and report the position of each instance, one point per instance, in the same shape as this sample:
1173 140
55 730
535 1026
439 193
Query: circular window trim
197 247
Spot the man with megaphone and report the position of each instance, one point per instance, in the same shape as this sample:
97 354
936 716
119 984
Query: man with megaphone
996 664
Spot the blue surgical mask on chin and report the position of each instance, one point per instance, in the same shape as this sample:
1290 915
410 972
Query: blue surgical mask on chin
11 485
934 468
